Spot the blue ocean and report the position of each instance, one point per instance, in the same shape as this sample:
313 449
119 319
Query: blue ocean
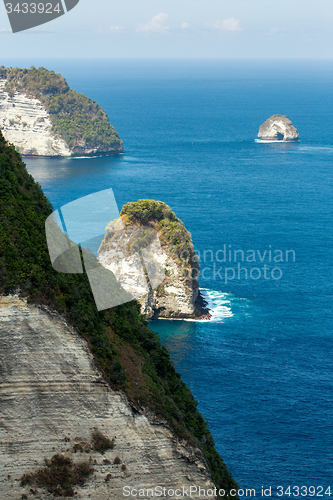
261 218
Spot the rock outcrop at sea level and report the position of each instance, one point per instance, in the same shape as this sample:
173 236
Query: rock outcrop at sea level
177 295
278 128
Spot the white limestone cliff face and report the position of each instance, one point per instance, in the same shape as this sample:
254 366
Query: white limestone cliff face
52 396
175 296
278 128
25 123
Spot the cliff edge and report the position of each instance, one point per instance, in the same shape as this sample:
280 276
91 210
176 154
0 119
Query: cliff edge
42 116
95 357
278 128
178 295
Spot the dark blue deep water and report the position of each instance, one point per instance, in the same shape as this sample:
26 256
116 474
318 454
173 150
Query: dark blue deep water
262 369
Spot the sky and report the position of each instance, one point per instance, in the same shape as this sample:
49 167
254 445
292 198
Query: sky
232 29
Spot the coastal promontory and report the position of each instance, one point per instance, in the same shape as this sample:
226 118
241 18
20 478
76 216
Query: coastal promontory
42 116
278 128
177 294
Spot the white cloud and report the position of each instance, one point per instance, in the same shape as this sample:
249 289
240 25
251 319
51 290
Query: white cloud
275 30
116 29
230 24
184 26
156 25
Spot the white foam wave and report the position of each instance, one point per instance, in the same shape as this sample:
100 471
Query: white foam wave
82 157
218 303
261 141
221 306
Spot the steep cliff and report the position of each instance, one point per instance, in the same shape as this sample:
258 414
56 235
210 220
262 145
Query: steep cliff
278 128
53 398
128 357
42 116
178 295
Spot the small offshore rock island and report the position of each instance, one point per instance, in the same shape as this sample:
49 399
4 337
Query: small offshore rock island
178 296
278 128
42 116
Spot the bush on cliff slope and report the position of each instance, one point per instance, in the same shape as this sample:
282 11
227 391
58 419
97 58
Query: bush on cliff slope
130 355
75 118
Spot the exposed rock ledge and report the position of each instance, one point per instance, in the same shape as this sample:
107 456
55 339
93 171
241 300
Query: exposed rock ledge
50 390
278 128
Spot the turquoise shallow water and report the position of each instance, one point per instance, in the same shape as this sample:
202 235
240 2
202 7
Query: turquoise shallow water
261 370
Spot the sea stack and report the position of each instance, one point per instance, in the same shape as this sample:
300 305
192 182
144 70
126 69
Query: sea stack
278 128
177 294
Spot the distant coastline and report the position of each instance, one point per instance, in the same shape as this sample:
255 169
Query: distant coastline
45 118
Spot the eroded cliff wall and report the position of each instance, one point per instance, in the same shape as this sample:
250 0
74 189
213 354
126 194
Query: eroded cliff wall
52 396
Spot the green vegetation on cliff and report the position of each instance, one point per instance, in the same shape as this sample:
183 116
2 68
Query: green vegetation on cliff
78 120
126 350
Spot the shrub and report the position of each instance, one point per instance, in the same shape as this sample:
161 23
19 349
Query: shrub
100 442
117 461
59 476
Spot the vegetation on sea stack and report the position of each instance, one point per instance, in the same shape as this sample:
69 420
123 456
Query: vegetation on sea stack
75 118
171 229
159 216
125 349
